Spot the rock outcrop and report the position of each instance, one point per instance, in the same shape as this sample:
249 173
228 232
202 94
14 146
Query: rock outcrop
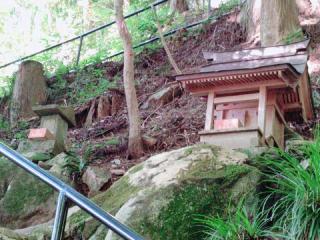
159 197
162 97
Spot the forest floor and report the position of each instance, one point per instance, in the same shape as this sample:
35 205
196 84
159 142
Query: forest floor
173 125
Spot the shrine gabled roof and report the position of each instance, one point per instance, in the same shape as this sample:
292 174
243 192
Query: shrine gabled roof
285 63
294 54
297 62
263 56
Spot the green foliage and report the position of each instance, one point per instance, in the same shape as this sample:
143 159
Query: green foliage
89 150
6 87
74 163
295 189
21 130
59 86
294 36
4 124
21 195
238 225
226 7
206 196
176 220
89 90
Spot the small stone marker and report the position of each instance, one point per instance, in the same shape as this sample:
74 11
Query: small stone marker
40 134
56 120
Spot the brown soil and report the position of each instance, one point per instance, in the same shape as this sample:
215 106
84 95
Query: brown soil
176 124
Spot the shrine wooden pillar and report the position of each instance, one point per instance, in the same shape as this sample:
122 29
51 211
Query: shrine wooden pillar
262 108
209 112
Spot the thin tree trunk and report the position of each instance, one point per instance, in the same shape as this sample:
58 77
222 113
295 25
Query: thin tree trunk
164 43
135 147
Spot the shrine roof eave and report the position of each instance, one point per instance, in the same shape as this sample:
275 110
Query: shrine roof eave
280 67
244 76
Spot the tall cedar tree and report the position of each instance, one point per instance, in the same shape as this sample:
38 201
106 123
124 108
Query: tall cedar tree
279 18
135 148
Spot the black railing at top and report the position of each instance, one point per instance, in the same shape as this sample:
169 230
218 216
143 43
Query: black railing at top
82 36
68 193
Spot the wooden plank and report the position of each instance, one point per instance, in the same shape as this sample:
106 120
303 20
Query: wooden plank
253 64
209 112
237 106
237 98
262 108
291 107
256 53
305 97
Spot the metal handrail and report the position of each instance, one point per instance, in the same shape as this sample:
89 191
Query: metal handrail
67 193
81 36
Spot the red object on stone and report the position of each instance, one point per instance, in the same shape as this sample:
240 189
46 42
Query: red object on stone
227 124
40 134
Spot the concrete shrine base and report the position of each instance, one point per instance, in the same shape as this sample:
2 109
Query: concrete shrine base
233 138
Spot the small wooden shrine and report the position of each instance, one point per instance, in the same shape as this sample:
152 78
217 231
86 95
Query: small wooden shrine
251 94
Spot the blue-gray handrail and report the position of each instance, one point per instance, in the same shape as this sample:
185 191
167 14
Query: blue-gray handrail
67 193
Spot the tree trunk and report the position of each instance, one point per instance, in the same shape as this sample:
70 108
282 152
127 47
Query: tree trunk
30 89
135 148
278 19
179 5
250 19
164 43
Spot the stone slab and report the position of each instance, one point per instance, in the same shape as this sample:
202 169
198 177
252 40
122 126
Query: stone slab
40 134
67 113
37 150
58 127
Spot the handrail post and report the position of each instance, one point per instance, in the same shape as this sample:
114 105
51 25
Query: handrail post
60 217
79 51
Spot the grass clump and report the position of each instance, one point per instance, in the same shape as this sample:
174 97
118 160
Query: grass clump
293 36
238 225
294 188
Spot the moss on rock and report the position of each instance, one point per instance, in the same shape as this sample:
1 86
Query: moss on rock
161 197
22 196
111 201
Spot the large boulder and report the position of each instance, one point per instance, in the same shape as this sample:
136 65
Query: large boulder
24 200
160 197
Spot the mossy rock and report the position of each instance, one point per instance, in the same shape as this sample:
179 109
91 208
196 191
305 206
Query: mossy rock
7 234
24 200
161 197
